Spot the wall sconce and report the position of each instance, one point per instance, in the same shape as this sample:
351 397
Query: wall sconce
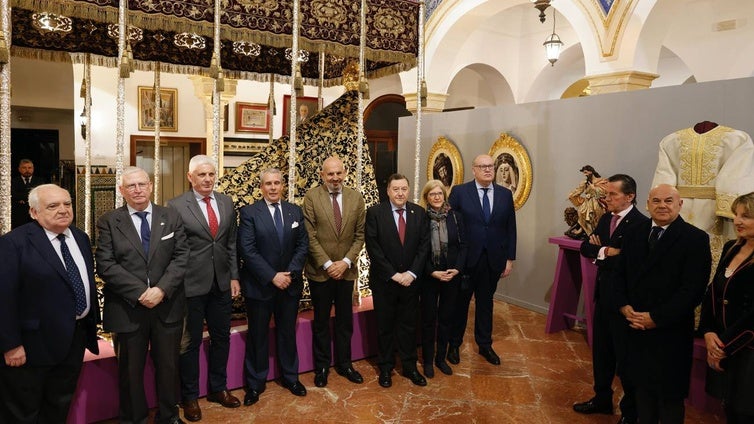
541 5
82 122
553 44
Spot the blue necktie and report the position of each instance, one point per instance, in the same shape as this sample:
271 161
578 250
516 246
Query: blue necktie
654 236
486 205
73 274
144 231
278 222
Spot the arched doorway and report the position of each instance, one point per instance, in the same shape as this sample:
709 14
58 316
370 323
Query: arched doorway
381 131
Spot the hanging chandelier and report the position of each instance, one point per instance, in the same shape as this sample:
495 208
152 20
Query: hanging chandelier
553 44
541 5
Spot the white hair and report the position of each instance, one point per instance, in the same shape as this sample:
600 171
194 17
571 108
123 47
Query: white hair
199 160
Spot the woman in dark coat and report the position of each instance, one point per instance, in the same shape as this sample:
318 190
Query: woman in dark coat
727 320
441 282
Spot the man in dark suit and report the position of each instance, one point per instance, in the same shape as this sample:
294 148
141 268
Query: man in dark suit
661 275
211 281
273 243
397 240
335 217
48 310
490 220
142 255
610 327
20 186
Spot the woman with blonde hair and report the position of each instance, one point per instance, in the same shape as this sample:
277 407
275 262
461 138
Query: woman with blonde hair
440 285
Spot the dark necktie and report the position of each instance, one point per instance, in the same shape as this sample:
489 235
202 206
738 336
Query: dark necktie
211 217
654 236
278 217
26 181
401 225
144 232
336 212
486 205
614 223
73 274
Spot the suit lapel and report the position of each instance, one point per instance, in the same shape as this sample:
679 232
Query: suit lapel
159 220
125 225
266 217
193 207
667 238
38 238
325 203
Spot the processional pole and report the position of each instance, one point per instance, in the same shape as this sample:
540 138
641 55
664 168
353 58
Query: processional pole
5 154
420 101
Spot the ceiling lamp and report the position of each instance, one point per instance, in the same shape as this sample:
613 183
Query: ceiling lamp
541 5
553 44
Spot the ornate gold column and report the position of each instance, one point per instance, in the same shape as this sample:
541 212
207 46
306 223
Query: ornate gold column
203 89
435 102
620 81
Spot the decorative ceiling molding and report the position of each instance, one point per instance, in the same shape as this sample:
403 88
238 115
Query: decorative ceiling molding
608 19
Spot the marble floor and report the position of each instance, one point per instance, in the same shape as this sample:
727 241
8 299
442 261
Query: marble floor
541 376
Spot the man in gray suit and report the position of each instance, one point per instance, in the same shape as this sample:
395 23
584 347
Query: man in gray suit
142 255
335 218
211 282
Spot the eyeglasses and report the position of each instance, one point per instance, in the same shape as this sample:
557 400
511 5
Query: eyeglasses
440 194
133 187
484 167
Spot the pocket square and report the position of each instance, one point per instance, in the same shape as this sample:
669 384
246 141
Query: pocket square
169 236
294 225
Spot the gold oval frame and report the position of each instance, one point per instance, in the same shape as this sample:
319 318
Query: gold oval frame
508 144
446 147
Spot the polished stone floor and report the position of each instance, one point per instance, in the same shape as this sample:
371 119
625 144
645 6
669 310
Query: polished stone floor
541 376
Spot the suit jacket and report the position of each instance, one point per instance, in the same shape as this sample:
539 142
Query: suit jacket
219 251
728 307
325 244
37 302
127 273
386 253
262 254
457 244
604 288
19 193
498 236
669 283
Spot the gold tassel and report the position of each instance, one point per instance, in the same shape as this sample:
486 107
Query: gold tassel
125 67
364 87
4 50
82 91
130 55
271 104
214 69
220 81
298 82
423 93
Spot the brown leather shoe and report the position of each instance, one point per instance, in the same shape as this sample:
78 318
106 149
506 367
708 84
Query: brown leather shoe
224 398
191 410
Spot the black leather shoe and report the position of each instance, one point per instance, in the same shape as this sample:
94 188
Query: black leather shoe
443 367
320 377
415 378
351 374
296 388
624 420
191 410
251 397
592 406
453 355
489 355
429 370
386 380
224 398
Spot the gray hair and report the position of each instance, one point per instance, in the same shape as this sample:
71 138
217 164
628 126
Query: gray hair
33 199
269 171
199 160
132 170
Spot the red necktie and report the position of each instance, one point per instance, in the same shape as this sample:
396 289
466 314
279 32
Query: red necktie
401 225
614 223
336 212
211 217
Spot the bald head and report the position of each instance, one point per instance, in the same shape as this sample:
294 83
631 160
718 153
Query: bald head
664 204
333 173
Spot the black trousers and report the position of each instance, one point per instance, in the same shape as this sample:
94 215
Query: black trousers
609 347
215 308
32 394
396 308
284 307
438 302
162 341
324 295
654 410
482 286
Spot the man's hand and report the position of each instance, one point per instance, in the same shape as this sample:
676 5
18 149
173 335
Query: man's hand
641 321
445 276
235 288
152 297
282 280
15 357
403 278
595 240
508 269
337 269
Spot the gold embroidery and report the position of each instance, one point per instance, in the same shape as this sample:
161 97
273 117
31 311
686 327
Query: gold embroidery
699 155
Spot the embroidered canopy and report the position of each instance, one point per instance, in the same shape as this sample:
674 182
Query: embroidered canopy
255 34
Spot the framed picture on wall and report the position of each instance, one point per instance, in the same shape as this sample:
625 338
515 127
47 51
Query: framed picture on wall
168 109
444 163
306 107
512 167
252 117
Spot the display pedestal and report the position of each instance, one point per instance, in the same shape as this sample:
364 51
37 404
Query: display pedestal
574 274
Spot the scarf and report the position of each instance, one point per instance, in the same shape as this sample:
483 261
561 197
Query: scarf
439 235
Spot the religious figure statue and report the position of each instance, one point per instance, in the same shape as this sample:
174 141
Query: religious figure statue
587 198
506 172
710 165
